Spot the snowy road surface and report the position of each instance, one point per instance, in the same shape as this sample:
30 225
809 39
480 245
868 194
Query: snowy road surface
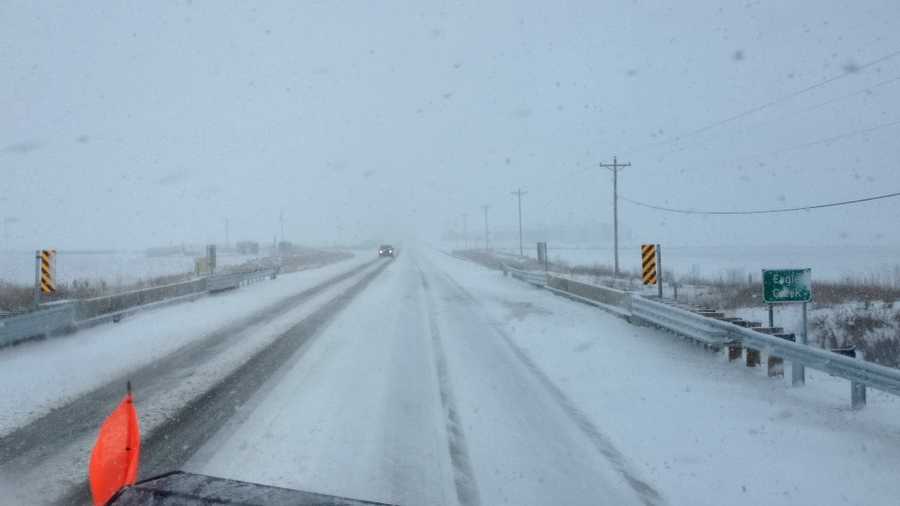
411 396
428 380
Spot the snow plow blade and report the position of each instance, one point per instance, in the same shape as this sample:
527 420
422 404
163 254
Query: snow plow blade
187 489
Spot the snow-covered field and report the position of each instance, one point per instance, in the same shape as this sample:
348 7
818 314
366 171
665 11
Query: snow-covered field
827 262
118 268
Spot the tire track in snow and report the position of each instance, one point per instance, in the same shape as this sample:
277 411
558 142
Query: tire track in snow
168 446
463 475
39 439
648 495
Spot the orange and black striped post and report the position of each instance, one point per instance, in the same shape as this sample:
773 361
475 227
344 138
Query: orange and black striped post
651 268
48 261
648 262
44 274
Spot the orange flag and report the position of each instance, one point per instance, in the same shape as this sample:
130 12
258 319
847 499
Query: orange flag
114 461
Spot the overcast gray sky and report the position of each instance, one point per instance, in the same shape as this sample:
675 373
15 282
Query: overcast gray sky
133 124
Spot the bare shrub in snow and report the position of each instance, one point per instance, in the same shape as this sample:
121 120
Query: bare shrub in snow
874 330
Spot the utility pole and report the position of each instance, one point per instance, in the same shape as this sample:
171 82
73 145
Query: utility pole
519 194
226 233
615 167
281 221
486 243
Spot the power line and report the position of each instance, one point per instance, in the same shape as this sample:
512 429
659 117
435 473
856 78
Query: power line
816 142
863 91
568 175
764 211
812 108
825 140
779 151
833 138
766 105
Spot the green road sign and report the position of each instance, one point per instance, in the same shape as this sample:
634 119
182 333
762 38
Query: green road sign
787 285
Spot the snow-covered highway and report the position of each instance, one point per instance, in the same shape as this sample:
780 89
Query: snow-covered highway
430 380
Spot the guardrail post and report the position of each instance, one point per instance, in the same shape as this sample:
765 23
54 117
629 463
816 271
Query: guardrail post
776 364
798 372
752 357
857 395
857 389
735 350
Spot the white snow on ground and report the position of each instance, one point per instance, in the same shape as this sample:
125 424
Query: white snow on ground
700 429
528 445
540 400
37 376
366 412
68 464
357 415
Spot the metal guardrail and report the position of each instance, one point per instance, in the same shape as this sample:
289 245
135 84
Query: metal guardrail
717 332
96 306
64 316
530 277
50 319
680 321
886 379
610 299
220 282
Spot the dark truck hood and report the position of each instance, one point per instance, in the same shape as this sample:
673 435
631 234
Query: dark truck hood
188 489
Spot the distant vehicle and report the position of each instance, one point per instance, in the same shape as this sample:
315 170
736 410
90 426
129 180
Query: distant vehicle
386 250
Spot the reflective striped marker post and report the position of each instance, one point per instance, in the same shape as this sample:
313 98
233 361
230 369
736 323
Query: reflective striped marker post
44 271
650 263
